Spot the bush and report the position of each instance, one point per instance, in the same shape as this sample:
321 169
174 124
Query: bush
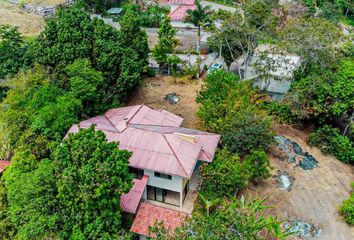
225 176
229 174
281 112
347 208
257 164
330 141
246 131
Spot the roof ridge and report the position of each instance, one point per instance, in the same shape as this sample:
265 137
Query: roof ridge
104 115
135 113
173 151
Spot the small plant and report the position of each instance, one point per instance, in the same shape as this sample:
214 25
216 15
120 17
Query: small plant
21 4
346 209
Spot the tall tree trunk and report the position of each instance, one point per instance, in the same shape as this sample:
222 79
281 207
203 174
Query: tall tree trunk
348 125
198 50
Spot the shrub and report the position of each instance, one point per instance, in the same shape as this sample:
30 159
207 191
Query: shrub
246 131
257 164
225 176
330 141
281 112
347 208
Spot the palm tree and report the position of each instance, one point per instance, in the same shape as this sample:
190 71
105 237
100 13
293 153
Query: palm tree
198 17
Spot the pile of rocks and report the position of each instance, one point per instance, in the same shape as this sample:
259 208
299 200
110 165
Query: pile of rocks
293 153
45 11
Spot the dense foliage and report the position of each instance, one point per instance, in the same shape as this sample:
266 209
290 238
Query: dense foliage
229 219
228 174
14 55
324 94
330 141
239 34
333 10
60 197
87 67
313 39
163 51
346 209
229 107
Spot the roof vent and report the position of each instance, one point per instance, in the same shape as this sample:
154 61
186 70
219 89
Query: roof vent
186 137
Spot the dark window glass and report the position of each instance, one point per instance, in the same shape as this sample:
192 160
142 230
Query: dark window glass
161 175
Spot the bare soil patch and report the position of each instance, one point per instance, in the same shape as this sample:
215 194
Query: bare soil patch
315 194
45 2
154 90
312 198
27 23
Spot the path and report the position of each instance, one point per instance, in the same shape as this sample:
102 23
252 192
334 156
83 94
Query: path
216 6
315 194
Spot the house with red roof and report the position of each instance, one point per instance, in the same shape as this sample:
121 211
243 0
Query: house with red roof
165 161
178 11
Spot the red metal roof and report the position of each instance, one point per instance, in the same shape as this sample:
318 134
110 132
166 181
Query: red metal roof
3 164
180 12
129 202
149 214
152 136
177 2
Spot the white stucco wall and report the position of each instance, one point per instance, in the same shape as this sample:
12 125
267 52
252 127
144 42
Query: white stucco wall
175 184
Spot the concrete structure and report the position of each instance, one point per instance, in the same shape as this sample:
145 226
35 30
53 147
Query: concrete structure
165 160
278 71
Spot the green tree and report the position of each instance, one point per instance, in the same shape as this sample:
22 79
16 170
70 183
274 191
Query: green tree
36 112
313 39
226 175
92 175
31 192
67 37
86 84
166 44
239 34
324 94
14 51
15 54
75 195
231 107
247 130
6 226
199 17
134 37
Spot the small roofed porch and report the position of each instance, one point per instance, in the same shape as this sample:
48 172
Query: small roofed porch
130 201
148 215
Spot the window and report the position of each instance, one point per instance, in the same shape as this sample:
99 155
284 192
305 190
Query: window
161 175
138 173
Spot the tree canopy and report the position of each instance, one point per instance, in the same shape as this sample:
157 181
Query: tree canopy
73 195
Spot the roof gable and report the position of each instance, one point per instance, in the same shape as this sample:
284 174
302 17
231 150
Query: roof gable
154 142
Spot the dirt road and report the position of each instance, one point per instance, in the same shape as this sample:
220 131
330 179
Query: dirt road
315 194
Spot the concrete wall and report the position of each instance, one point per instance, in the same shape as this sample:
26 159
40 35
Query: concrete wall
175 184
276 86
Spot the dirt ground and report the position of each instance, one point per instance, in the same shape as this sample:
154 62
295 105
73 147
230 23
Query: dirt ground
315 194
153 91
28 24
45 2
